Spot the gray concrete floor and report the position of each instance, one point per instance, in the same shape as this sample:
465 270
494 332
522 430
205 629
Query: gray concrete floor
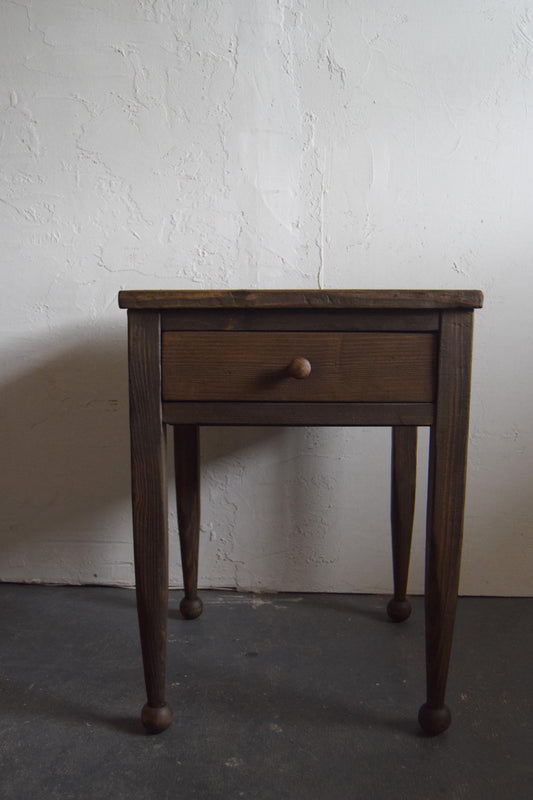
274 696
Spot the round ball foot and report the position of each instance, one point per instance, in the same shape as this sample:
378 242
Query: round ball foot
434 720
191 607
156 720
398 610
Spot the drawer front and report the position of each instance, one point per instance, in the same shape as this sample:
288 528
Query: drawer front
254 366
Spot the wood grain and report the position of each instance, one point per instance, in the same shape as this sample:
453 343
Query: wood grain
357 367
446 497
149 501
298 414
296 298
300 319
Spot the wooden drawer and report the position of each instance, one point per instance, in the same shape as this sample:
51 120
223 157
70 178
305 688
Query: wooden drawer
253 366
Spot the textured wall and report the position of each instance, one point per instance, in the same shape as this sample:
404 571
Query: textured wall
257 144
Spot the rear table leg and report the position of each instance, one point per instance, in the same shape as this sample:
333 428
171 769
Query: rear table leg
402 514
187 467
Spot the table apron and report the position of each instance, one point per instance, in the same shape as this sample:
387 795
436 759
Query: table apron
298 414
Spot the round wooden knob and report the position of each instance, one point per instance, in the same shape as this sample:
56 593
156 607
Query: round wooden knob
299 368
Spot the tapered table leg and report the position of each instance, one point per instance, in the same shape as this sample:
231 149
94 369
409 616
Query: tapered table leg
187 467
447 475
403 486
149 492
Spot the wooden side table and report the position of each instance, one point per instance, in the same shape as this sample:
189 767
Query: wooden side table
396 358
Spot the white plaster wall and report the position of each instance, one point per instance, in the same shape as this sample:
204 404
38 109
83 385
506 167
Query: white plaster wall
257 144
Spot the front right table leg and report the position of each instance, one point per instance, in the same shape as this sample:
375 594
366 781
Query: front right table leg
446 496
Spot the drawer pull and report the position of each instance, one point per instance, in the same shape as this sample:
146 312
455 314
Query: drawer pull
299 368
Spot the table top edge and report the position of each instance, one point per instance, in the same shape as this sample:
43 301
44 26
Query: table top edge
299 299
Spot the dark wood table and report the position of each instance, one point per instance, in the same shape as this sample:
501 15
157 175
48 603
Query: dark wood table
396 358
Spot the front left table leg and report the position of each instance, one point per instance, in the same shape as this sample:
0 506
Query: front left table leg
149 497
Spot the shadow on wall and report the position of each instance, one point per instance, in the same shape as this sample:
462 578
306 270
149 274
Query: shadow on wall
65 480
64 439
271 496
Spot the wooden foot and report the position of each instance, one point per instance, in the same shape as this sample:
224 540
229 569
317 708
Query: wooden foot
398 610
434 720
156 720
403 485
191 607
187 467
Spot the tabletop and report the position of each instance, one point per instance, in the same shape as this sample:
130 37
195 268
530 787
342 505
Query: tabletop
295 298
